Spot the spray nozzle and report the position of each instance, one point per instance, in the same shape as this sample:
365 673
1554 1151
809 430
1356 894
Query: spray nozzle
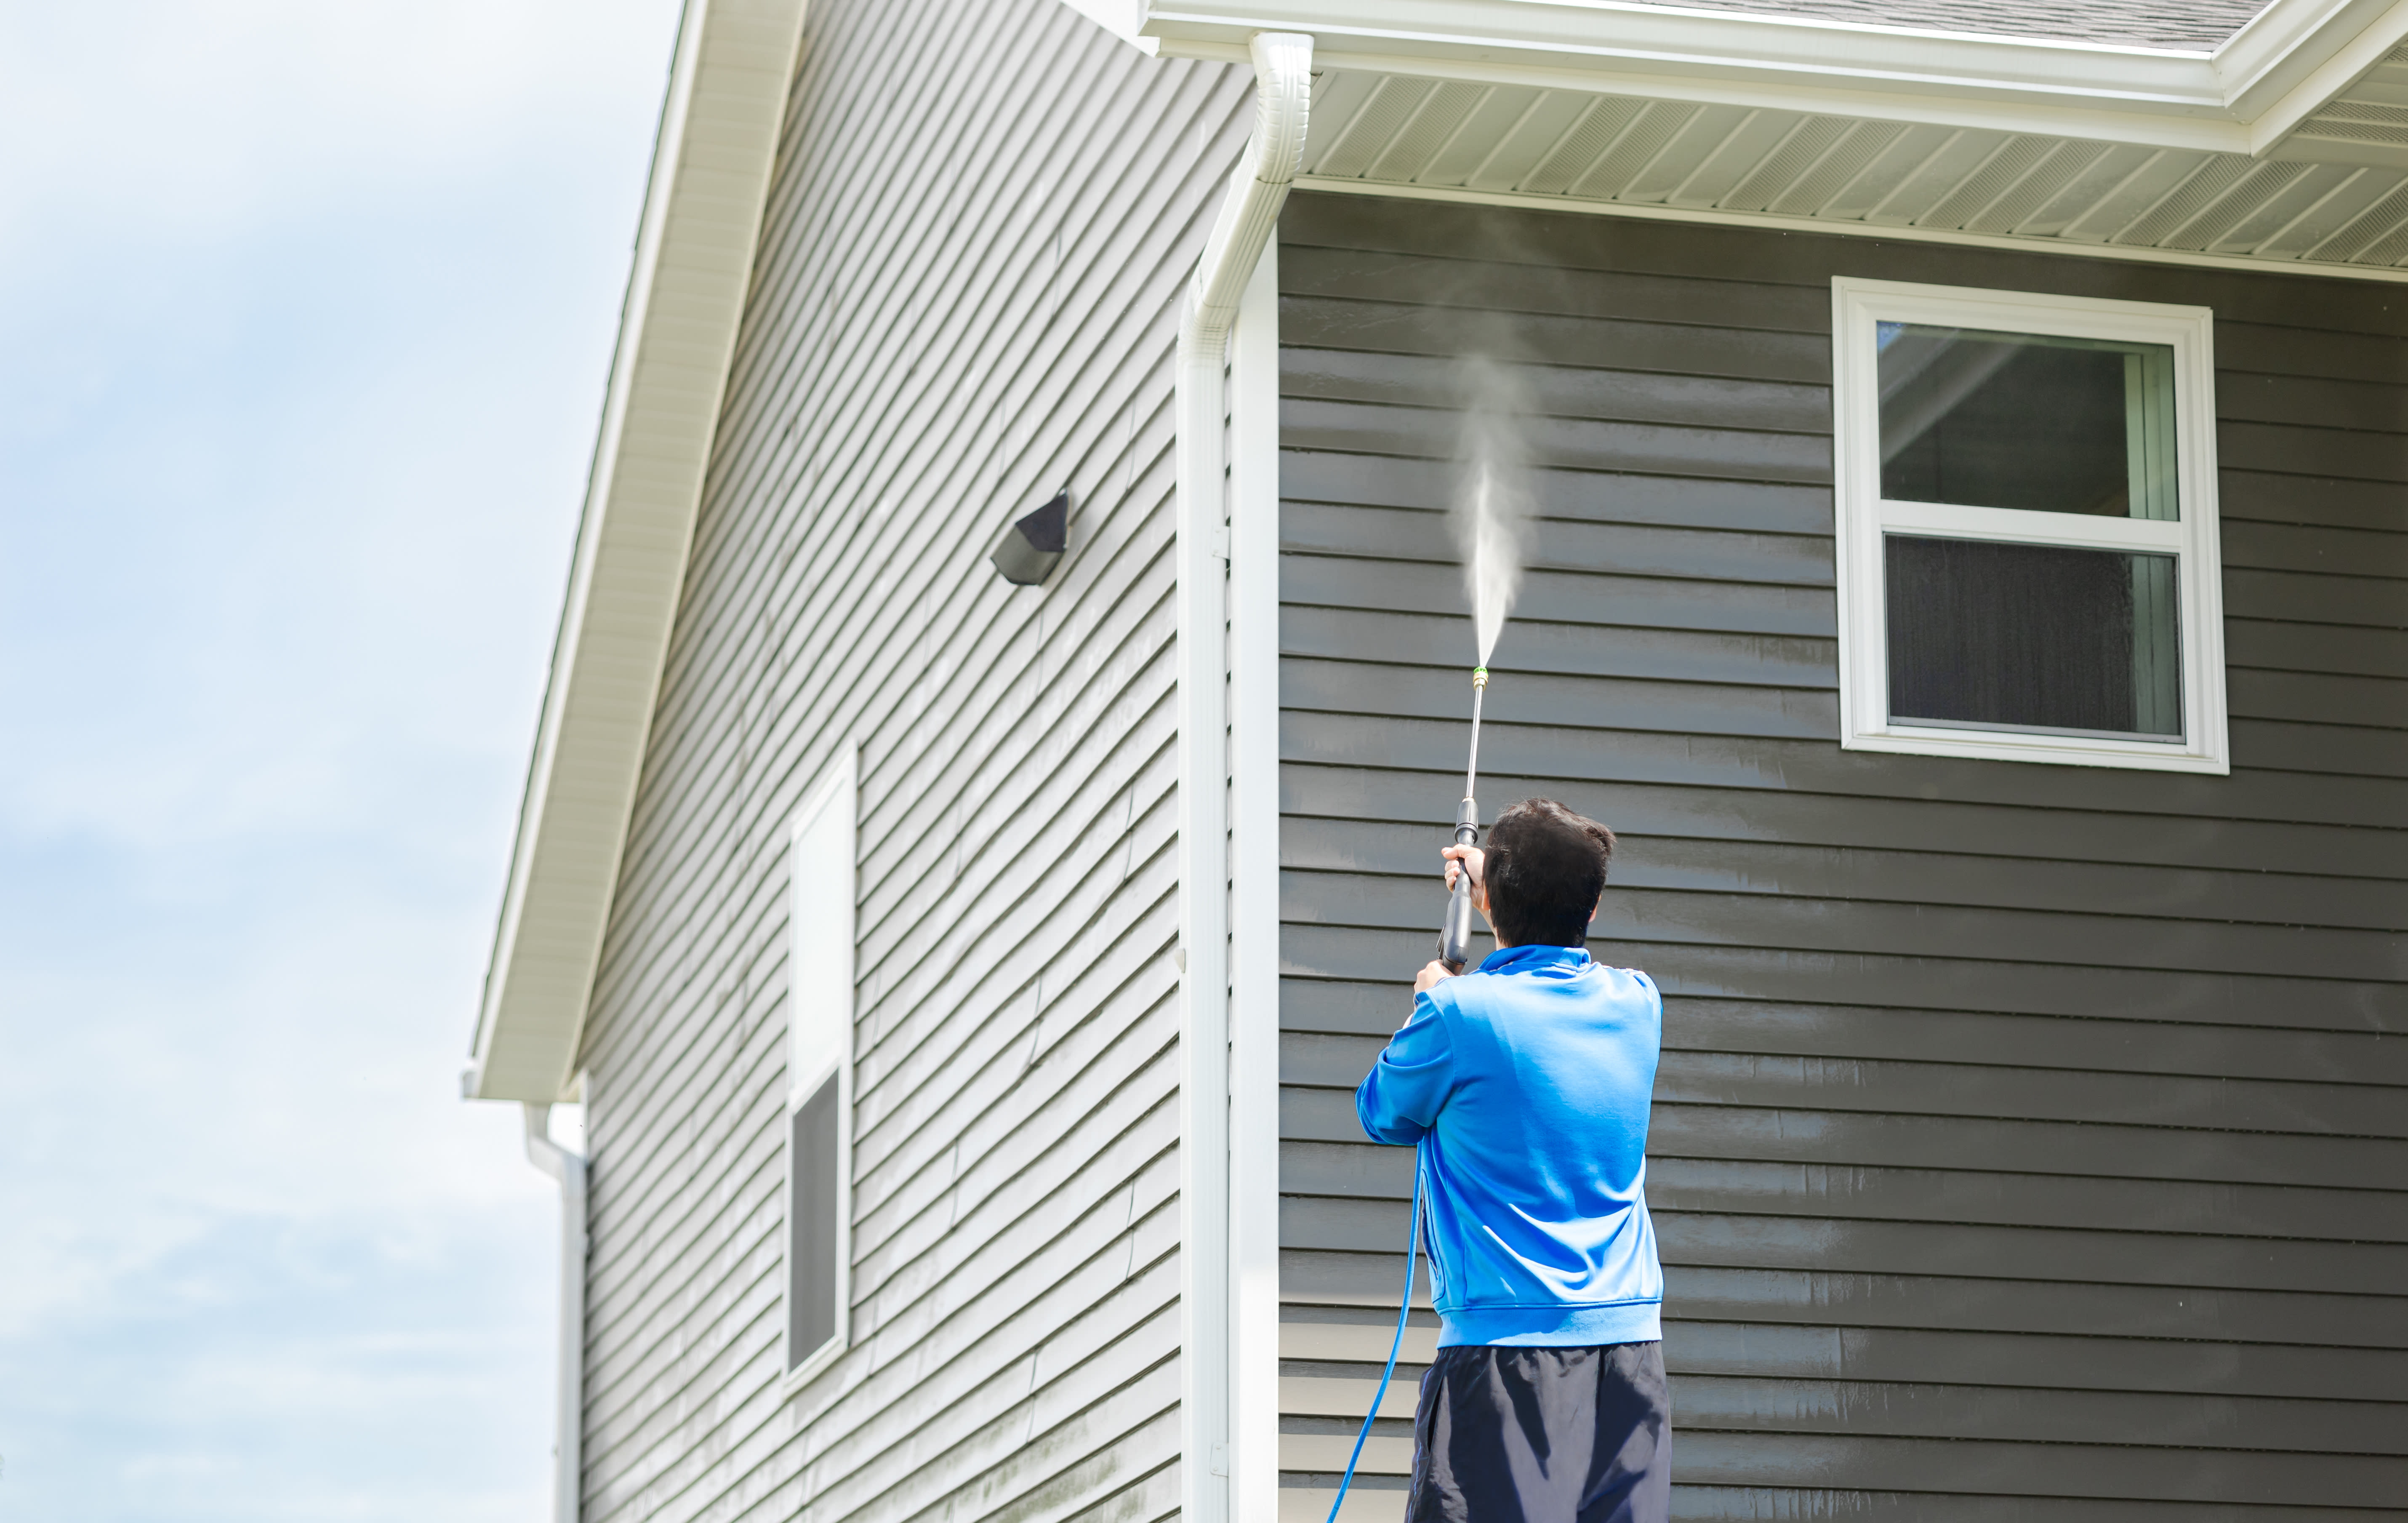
1480 675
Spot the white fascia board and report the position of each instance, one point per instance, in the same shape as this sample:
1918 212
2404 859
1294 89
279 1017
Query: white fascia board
2275 66
2291 40
728 85
2311 77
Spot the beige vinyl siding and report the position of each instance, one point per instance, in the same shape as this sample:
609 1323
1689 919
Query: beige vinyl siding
967 294
2030 1141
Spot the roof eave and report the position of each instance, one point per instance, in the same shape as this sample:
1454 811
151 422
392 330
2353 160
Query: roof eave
2242 97
712 164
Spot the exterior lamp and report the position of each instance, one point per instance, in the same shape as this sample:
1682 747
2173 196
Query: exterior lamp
1031 548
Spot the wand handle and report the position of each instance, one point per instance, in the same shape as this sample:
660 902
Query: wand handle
1454 936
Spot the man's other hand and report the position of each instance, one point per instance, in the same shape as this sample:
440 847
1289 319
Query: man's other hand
1427 979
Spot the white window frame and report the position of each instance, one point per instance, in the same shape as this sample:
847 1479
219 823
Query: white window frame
822 847
1862 517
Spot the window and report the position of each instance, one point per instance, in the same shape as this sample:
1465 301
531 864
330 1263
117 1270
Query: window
2026 493
819 1075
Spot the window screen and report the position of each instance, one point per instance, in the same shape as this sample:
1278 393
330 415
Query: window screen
2034 636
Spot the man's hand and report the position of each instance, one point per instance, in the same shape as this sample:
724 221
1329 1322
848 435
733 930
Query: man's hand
1459 860
1462 858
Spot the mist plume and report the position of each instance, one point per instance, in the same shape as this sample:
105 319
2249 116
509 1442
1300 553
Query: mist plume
1490 516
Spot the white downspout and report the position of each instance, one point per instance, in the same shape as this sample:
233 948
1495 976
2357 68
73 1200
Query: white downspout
567 1474
1249 211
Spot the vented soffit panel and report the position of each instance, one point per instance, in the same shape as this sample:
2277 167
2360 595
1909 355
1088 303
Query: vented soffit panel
712 164
2242 94
2286 143
2333 199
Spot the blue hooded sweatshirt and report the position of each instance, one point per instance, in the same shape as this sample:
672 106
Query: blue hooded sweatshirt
1526 1085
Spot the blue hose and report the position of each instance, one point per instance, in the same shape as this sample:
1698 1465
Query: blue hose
1412 1248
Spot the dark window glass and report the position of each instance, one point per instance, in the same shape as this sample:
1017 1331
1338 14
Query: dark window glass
2034 636
2004 420
811 1229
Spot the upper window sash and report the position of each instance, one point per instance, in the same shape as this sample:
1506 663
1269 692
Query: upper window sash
821 950
2162 504
820 991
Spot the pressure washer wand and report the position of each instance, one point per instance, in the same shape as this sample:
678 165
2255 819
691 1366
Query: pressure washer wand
1454 937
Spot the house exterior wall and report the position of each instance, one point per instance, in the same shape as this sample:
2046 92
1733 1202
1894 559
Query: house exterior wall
2030 1140
965 299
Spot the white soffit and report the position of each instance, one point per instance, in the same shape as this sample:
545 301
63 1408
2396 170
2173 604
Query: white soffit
702 215
2291 58
2366 121
1415 135
2288 143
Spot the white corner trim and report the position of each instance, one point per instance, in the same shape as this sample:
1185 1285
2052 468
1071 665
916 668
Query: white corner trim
1774 222
2169 97
1248 212
1253 895
710 172
1862 517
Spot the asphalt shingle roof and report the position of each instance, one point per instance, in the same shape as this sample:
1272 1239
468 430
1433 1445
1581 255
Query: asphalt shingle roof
2200 24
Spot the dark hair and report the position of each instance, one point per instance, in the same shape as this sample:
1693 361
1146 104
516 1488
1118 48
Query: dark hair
1544 871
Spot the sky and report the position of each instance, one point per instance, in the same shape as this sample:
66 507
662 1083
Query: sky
306 311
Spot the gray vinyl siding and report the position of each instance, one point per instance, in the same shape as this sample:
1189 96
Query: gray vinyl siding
2030 1141
965 299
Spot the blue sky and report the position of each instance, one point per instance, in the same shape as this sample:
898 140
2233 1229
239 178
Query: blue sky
305 312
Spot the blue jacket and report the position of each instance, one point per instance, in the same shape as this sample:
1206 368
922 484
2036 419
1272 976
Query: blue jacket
1526 1084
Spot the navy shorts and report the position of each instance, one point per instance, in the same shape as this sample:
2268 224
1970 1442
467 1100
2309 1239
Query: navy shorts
1544 1435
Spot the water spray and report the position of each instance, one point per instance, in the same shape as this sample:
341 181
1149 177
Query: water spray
1454 936
1490 521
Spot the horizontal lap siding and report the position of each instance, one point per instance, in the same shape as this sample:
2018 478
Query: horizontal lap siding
965 300
2029 1142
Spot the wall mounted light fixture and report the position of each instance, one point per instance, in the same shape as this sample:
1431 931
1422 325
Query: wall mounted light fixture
1031 548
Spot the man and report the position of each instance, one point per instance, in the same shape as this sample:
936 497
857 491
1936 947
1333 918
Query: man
1525 1084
